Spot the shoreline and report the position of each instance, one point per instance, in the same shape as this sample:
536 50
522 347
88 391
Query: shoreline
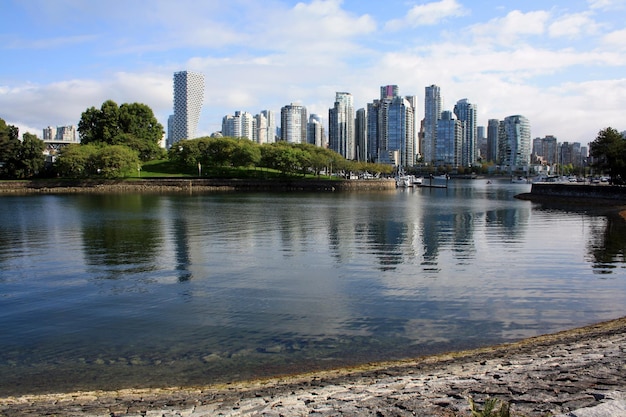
187 186
553 373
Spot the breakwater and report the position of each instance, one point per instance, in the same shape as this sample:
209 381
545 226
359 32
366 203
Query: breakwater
584 193
190 185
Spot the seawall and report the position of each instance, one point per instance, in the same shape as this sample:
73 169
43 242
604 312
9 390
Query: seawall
573 193
191 185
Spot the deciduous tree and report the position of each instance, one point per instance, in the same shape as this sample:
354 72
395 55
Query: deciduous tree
132 125
608 151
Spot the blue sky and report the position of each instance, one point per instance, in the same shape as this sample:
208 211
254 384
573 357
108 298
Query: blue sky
562 64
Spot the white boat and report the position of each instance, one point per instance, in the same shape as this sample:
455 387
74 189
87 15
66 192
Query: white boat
519 180
418 180
404 181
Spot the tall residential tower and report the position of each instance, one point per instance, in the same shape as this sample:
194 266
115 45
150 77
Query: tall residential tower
188 97
293 123
432 113
466 112
341 126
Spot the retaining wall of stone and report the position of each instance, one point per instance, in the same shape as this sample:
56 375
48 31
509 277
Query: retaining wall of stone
188 185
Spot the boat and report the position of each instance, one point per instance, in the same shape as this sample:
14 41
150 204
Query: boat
519 180
418 181
405 181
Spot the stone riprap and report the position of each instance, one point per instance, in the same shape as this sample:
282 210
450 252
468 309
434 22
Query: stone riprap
578 373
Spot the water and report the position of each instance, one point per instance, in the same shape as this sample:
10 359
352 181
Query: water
114 291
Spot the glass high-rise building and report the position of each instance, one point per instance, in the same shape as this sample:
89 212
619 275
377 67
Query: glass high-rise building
515 143
188 98
391 128
493 127
315 131
466 112
360 135
448 149
341 126
432 113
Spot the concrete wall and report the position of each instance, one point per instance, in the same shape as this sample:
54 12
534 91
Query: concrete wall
604 192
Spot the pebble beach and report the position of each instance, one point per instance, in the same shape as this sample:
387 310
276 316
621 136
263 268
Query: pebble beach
576 373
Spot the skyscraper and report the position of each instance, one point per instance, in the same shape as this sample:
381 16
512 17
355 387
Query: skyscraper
188 97
466 112
493 126
514 146
389 91
341 126
391 128
266 126
449 147
239 125
315 131
293 123
360 135
432 113
372 130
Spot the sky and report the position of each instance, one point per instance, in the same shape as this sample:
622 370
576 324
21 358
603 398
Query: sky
561 64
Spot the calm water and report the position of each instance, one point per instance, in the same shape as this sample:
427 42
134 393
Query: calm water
149 290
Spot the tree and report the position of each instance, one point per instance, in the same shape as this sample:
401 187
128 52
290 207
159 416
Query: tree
246 154
31 159
19 159
77 161
109 161
117 161
608 151
132 125
9 148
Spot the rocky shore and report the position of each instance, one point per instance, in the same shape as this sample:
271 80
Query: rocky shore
546 375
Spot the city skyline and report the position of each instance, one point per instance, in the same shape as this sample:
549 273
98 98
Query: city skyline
560 64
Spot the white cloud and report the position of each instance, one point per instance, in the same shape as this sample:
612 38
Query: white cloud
63 102
616 39
428 14
512 27
573 26
606 4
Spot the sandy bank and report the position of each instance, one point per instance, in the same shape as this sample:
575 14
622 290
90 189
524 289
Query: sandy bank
549 374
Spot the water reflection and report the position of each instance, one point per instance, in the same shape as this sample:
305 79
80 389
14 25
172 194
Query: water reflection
608 247
228 285
120 233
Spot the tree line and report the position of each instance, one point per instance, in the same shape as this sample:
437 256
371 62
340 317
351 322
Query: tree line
286 158
116 140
